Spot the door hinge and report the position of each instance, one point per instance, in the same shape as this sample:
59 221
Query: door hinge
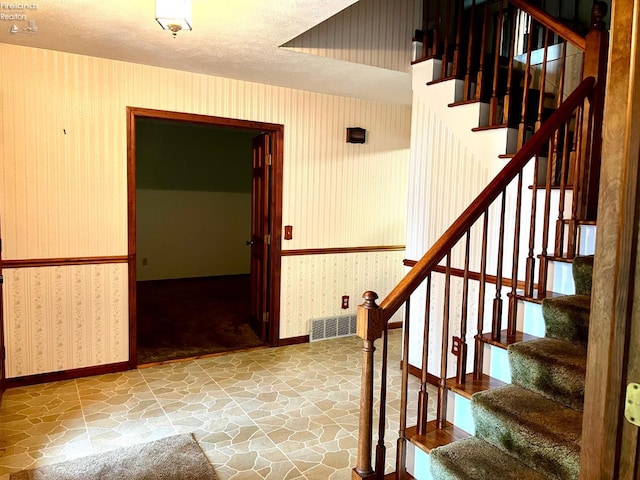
632 404
267 159
265 317
1 279
267 239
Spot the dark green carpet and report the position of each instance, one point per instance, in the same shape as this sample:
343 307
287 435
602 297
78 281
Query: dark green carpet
531 429
193 316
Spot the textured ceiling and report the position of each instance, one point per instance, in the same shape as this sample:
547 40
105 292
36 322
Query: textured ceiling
237 39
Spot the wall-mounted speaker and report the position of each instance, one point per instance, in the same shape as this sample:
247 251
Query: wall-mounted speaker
356 135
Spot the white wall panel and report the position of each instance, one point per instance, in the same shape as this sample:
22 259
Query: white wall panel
371 32
192 234
450 164
62 318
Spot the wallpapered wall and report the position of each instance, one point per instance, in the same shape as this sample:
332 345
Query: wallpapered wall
63 191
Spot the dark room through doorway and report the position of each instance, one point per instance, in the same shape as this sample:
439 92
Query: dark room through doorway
199 203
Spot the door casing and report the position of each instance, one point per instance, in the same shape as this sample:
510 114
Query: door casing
274 226
260 235
2 346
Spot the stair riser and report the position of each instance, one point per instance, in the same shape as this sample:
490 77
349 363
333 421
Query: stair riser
586 239
418 463
561 382
564 323
459 412
533 323
496 363
560 278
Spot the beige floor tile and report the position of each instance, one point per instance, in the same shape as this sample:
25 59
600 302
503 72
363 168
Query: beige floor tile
288 413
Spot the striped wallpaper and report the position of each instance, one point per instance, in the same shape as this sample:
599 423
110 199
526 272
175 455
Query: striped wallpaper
63 171
371 32
449 166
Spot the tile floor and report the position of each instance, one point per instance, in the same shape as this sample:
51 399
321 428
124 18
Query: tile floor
281 413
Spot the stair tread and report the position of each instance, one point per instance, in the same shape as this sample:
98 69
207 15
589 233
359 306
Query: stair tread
470 101
533 410
477 459
545 434
505 340
564 353
442 79
436 437
553 368
535 298
472 386
489 127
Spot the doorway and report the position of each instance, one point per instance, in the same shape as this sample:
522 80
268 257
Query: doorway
233 290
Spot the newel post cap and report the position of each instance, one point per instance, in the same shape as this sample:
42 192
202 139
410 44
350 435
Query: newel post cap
369 318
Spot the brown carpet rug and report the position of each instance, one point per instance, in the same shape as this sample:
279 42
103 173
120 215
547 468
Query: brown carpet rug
172 458
191 317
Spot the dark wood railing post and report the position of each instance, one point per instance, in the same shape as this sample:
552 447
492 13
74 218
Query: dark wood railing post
369 328
595 65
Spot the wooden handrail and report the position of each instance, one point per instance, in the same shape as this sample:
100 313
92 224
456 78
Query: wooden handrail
401 293
552 23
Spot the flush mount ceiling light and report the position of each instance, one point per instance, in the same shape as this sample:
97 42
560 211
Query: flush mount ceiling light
174 15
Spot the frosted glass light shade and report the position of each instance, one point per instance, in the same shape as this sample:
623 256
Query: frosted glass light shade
174 15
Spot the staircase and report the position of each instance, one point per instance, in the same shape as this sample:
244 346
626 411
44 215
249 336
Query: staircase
496 311
530 429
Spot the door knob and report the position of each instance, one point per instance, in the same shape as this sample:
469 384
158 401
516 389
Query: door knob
249 242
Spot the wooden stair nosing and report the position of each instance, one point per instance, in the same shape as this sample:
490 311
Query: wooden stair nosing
591 223
541 188
505 340
471 101
536 298
392 476
442 79
472 386
553 258
490 127
436 437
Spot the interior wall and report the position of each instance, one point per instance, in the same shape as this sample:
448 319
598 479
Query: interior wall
63 174
193 210
450 164
351 34
192 234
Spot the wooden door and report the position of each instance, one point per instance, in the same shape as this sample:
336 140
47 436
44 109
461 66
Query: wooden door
260 234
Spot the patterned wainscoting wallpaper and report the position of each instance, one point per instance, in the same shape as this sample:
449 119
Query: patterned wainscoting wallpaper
64 318
313 285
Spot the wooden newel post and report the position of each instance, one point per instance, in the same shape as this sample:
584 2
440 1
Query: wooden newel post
595 65
369 329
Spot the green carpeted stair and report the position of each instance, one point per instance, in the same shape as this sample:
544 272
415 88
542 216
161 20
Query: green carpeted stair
531 428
